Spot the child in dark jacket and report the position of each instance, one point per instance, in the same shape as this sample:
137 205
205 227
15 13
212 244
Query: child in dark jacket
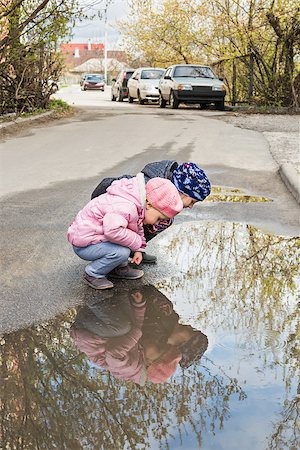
190 181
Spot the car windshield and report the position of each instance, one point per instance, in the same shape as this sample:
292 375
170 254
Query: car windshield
128 75
94 78
151 74
194 72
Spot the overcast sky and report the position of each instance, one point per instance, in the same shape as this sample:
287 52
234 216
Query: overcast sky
94 29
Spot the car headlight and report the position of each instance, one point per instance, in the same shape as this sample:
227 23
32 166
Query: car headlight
185 87
219 88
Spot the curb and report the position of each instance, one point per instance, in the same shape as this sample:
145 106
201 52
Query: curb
291 178
18 120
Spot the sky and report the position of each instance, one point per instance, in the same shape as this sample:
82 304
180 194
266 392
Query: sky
94 29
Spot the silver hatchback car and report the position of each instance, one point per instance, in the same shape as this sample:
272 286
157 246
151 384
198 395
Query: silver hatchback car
191 84
143 85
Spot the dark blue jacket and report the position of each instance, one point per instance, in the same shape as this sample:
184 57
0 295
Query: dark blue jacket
162 169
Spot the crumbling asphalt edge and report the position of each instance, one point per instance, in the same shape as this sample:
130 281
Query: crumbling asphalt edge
291 178
18 120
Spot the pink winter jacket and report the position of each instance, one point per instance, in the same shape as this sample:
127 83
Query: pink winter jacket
116 216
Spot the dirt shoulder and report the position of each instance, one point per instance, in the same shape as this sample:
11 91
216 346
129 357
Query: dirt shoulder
281 131
19 126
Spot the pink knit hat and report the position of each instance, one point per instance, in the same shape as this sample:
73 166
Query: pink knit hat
164 196
162 369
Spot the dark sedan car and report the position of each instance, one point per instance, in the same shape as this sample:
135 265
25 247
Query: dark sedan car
92 81
191 84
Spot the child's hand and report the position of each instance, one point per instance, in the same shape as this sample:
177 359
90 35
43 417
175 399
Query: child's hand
137 297
137 258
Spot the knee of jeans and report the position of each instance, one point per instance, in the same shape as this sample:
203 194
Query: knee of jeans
122 253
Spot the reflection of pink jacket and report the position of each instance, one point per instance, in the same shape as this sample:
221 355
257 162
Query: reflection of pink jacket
116 216
123 356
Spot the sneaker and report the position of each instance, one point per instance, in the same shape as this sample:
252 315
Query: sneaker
149 259
126 272
97 283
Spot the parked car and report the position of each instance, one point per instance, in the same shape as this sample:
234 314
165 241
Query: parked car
143 85
92 81
82 79
191 84
119 89
53 85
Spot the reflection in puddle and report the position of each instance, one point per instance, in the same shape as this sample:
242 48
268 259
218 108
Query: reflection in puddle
137 336
210 360
233 195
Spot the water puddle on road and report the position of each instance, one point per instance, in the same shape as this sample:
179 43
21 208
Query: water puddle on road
206 358
234 195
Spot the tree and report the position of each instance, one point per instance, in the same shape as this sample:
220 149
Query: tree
168 33
32 29
252 43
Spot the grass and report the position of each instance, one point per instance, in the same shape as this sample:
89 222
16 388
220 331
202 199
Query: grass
59 105
264 109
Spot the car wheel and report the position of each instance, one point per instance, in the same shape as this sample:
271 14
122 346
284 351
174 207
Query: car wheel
161 101
174 102
141 101
220 105
130 99
203 105
119 97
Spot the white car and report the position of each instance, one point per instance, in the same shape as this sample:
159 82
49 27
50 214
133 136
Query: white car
191 84
143 85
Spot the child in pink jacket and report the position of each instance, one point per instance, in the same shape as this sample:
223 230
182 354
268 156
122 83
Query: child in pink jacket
110 226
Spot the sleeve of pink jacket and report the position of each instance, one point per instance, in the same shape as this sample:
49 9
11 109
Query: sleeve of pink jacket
116 231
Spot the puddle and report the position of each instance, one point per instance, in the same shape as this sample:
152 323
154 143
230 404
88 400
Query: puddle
225 194
206 358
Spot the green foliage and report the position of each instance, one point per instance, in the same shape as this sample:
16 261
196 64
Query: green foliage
59 104
251 43
32 30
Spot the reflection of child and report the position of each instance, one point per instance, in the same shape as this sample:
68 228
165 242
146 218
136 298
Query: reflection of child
137 337
121 354
111 225
168 341
161 361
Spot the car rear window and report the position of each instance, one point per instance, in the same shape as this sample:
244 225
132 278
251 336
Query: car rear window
128 75
151 74
194 71
94 78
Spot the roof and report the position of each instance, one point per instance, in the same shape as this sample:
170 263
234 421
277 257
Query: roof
80 46
97 65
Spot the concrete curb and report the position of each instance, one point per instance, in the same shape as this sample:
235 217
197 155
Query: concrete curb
291 178
21 120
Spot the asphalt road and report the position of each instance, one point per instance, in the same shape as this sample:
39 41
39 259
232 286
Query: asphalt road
49 171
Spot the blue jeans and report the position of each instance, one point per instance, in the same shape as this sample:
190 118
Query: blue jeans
104 257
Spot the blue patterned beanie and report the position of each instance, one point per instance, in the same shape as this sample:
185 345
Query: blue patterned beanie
191 180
